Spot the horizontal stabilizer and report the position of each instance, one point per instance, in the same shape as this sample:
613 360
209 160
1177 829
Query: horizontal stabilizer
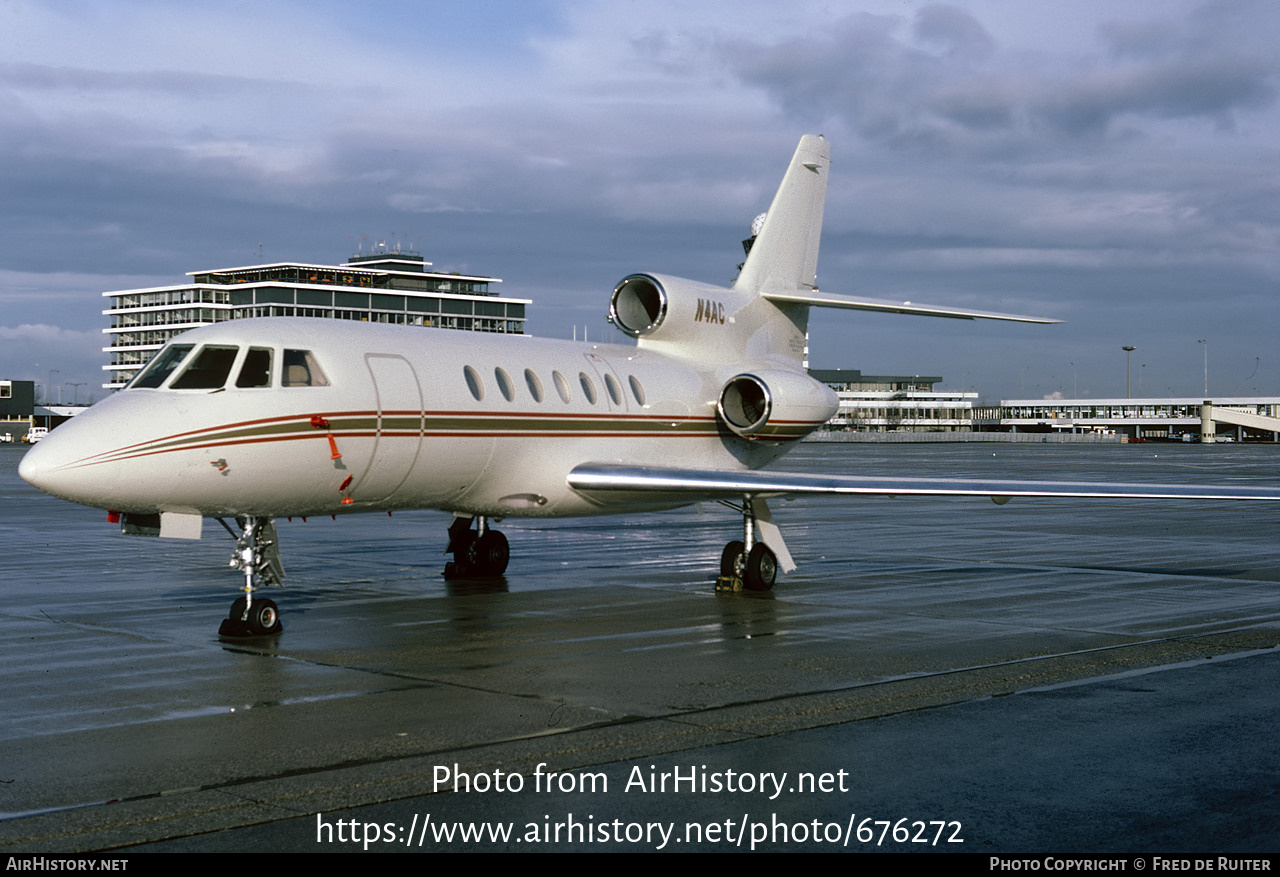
831 300
715 484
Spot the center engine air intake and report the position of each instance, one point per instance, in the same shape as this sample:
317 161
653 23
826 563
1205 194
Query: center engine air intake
639 305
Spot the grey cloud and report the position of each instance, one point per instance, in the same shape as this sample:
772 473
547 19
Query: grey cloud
44 77
958 32
885 82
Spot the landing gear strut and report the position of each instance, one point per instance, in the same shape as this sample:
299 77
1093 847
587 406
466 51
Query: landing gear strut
749 564
257 555
478 552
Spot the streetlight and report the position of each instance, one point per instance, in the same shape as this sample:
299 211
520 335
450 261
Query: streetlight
1075 394
1128 358
1205 342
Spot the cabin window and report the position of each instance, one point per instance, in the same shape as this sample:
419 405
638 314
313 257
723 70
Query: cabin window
473 383
256 370
562 386
615 392
300 369
535 385
636 389
588 387
505 387
209 369
161 367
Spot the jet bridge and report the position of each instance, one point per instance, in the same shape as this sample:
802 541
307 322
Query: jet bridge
1211 414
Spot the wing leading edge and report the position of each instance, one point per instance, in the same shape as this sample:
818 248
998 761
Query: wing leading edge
692 484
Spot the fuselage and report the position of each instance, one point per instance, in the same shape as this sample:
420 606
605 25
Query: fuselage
280 416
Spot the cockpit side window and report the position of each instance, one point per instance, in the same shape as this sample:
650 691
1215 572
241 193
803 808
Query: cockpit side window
209 369
161 367
256 370
300 369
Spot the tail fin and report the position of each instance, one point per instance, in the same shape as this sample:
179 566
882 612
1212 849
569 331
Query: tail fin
784 255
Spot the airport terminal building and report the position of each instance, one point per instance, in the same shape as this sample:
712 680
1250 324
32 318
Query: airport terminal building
895 403
913 404
1233 418
383 287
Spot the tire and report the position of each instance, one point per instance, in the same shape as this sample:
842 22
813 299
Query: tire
491 554
731 560
762 568
264 618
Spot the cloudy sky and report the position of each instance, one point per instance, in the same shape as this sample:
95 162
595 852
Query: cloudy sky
1112 164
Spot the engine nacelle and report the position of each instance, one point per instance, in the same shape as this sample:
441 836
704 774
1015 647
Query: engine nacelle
659 311
775 406
639 304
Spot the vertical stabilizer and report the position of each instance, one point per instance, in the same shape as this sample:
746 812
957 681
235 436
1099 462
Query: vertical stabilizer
785 254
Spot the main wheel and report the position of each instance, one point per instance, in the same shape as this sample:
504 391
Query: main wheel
491 553
762 568
732 560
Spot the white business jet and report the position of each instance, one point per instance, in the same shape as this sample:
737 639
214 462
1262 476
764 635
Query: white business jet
258 419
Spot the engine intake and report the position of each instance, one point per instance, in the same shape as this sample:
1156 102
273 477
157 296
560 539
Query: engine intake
639 305
745 404
775 406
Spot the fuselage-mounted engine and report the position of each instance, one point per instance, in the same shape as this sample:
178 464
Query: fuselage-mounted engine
639 304
775 406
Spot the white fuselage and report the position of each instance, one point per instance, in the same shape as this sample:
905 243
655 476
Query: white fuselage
407 418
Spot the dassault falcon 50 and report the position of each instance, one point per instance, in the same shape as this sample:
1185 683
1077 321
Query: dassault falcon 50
252 420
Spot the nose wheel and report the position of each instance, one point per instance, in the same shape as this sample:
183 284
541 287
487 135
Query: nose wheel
261 618
257 555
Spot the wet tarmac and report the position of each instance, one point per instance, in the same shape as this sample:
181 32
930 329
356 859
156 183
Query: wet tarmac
1048 676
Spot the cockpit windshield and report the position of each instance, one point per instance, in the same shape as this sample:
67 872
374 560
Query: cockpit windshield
209 370
211 367
161 367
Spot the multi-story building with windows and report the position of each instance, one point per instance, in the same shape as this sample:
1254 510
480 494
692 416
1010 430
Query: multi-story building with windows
382 287
888 403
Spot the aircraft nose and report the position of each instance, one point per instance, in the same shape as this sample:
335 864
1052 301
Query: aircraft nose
40 465
55 465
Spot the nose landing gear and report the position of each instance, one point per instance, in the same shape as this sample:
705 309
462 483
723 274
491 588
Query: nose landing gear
257 555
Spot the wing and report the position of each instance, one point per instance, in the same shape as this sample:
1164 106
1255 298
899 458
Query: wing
691 484
831 300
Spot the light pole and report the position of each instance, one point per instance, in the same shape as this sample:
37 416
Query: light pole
1205 342
1128 358
1075 393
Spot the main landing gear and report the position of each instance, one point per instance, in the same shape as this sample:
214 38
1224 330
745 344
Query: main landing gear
749 564
257 555
481 552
